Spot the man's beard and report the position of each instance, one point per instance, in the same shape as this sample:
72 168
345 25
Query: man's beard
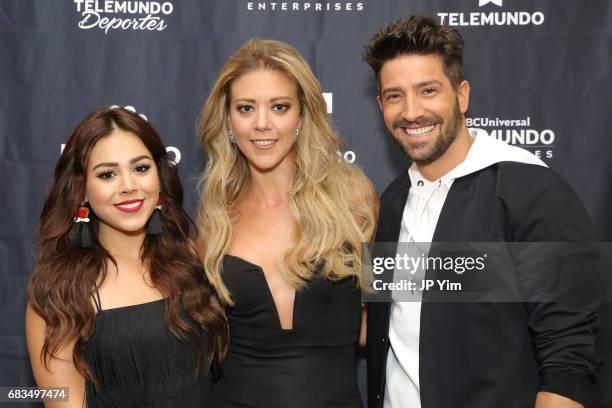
425 153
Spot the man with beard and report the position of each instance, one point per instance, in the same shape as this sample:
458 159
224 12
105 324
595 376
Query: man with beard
468 187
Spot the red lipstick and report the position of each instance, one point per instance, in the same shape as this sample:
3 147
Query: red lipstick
132 205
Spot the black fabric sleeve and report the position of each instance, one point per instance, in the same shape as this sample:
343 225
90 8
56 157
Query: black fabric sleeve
558 269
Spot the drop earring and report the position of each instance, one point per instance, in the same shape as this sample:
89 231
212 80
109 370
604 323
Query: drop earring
79 233
155 225
231 136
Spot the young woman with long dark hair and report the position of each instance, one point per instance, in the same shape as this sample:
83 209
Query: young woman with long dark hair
119 310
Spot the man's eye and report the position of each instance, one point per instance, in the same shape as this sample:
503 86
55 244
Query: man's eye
393 97
106 175
143 168
429 91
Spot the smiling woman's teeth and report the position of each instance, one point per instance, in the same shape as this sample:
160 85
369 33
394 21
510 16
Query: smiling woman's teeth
419 131
130 205
263 142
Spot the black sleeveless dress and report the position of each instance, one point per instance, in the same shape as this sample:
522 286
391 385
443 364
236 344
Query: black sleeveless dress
310 366
141 364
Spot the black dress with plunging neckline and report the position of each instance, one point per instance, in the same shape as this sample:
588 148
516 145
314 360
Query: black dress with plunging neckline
139 363
311 365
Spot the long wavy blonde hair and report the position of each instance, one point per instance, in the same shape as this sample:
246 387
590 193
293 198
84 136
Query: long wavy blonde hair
331 201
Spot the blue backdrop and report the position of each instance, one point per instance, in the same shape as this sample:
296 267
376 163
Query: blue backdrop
539 70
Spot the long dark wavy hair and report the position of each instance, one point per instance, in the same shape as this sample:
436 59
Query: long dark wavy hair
65 277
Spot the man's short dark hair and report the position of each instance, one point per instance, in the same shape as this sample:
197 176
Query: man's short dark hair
418 35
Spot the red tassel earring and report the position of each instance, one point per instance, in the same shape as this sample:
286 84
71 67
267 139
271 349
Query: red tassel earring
81 214
79 233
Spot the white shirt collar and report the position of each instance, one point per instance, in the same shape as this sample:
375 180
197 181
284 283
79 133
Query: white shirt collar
484 152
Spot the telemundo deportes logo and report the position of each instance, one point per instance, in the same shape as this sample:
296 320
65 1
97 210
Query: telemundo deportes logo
109 15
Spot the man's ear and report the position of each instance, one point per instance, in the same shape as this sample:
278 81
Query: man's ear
463 96
379 102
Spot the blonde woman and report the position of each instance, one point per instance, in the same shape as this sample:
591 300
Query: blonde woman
282 219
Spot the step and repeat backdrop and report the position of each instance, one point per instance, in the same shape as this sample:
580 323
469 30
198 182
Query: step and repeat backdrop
540 72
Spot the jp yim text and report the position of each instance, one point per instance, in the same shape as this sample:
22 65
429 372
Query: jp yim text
424 285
